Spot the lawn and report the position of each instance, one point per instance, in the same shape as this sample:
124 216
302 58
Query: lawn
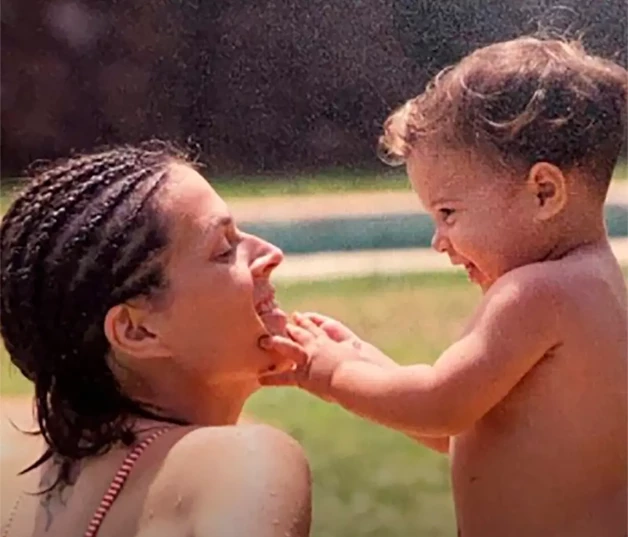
368 481
282 184
333 181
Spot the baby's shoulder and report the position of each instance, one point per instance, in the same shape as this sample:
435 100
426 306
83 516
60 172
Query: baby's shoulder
569 285
529 284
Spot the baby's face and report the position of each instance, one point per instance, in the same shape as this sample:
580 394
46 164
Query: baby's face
484 218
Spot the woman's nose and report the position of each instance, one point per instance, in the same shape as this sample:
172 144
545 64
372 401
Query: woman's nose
439 241
265 257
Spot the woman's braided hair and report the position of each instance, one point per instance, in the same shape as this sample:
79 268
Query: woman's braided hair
84 235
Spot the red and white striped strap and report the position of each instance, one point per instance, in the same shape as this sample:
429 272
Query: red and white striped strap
118 482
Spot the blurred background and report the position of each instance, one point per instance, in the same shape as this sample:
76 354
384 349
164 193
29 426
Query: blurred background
283 101
262 86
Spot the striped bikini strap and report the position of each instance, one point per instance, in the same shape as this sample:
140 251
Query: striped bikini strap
118 482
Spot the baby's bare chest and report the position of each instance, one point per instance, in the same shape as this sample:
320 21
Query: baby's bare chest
573 397
560 433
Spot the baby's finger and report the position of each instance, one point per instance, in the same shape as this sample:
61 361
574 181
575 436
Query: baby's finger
337 332
300 335
308 325
288 349
317 318
333 328
279 366
286 378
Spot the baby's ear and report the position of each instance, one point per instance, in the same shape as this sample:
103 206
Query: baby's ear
129 330
548 185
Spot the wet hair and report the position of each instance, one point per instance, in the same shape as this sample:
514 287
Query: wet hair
520 102
84 235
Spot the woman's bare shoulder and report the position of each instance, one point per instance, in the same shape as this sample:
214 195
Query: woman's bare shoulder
251 479
205 447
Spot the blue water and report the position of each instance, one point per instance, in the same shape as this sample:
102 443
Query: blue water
413 230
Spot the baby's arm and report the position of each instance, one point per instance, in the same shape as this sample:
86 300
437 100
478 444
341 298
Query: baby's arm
340 333
437 443
514 328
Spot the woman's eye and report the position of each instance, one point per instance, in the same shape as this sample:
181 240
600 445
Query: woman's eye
225 255
446 214
229 247
226 252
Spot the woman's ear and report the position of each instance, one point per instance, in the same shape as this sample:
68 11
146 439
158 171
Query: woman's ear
548 185
129 331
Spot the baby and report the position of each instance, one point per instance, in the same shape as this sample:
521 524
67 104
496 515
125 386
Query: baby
511 151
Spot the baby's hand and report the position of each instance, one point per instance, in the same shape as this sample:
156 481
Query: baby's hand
340 333
327 343
324 356
333 328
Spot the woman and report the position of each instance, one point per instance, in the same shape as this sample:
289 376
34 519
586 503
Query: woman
135 306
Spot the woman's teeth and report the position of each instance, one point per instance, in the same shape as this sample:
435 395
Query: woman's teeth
267 306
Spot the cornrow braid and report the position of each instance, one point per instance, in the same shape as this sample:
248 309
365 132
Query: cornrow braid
85 234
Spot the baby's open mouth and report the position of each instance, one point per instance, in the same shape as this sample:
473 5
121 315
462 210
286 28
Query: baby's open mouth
472 272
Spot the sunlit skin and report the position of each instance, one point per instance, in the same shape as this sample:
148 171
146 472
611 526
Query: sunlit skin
219 303
531 401
193 354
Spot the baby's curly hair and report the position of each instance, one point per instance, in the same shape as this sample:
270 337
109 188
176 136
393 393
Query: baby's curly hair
520 102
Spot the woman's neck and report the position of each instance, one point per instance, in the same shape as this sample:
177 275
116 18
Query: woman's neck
182 397
201 405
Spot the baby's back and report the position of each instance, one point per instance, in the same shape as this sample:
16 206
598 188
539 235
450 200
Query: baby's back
551 459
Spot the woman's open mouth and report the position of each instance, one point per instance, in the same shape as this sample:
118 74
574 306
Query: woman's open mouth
272 315
268 305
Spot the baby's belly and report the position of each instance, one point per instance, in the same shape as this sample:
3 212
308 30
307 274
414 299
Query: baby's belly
530 477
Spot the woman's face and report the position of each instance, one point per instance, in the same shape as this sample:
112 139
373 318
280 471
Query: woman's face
219 299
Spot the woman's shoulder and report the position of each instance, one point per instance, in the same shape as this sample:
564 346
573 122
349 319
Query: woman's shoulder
206 447
245 474
232 452
234 448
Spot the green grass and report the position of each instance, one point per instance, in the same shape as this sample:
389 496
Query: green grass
238 186
243 186
310 184
327 182
621 171
368 481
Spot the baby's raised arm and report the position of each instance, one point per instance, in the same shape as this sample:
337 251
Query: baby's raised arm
515 327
